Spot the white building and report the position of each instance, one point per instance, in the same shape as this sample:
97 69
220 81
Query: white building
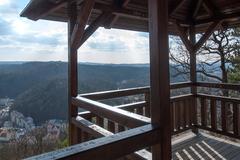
20 121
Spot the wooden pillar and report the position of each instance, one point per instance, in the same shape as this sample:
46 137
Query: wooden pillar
193 78
72 75
159 76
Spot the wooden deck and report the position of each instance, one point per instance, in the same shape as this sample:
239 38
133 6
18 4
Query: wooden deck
204 146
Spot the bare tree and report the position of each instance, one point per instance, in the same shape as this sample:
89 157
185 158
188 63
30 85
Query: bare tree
218 52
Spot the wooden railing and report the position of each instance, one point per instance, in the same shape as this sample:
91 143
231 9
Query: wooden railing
130 123
219 114
181 107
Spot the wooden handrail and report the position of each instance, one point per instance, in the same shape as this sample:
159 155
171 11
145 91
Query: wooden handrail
97 132
219 85
120 116
128 92
181 85
97 149
132 105
115 93
87 114
181 97
222 98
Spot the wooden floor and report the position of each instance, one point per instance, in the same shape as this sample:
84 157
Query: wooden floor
205 147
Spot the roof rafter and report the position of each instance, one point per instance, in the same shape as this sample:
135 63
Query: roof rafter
81 23
93 27
207 34
45 7
114 18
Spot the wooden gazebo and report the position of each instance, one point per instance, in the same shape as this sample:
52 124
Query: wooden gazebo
142 130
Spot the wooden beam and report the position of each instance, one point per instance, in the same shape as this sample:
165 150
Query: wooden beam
223 17
44 8
197 8
114 18
130 13
159 76
107 147
81 23
116 93
211 8
183 35
193 79
178 5
93 27
229 86
117 115
72 74
98 132
206 35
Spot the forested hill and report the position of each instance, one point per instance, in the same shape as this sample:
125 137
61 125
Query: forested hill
40 88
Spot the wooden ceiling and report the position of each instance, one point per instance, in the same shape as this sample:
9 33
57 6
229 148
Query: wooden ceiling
133 14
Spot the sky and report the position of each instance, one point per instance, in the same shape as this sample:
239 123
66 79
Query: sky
25 40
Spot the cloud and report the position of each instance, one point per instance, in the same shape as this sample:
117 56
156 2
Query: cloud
23 39
5 27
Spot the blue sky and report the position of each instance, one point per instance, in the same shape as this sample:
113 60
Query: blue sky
25 40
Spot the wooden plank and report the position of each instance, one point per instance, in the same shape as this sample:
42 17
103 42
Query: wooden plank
159 76
111 126
120 128
203 112
128 92
220 98
182 114
131 106
114 18
100 121
236 119
115 93
230 86
74 133
93 27
182 34
181 85
193 78
172 117
176 7
44 8
97 149
213 114
178 116
223 116
81 23
92 129
147 106
120 116
206 35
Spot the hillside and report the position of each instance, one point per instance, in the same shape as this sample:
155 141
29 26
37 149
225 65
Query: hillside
40 88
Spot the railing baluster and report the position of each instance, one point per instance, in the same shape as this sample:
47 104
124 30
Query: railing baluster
172 117
203 112
120 128
185 110
188 105
147 107
178 120
223 114
100 121
213 113
111 126
140 111
236 119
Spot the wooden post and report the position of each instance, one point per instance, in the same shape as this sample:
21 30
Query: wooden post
72 75
159 76
193 78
